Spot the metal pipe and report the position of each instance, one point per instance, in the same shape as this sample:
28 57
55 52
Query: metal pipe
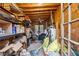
62 29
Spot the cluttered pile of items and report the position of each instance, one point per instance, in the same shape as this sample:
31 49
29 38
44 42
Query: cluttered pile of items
44 44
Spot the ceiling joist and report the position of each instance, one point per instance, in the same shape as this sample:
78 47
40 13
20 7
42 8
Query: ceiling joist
37 10
40 9
36 5
42 12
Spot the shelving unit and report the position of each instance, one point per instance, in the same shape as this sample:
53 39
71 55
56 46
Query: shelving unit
8 16
4 36
11 30
7 20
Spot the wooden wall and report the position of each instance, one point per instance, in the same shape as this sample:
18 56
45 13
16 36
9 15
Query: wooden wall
74 15
57 18
75 25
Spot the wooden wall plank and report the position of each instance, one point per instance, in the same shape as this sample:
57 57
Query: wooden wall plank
74 14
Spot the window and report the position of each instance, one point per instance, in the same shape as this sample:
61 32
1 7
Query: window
39 28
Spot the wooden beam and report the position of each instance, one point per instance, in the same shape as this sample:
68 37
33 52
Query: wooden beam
16 7
9 12
34 16
38 20
45 18
43 12
40 9
37 17
36 5
38 14
35 13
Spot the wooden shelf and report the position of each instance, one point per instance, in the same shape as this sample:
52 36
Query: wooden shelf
5 36
7 11
10 18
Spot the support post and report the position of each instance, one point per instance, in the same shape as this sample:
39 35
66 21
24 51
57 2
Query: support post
69 29
62 29
51 17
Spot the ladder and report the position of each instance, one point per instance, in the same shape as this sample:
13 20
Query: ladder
63 38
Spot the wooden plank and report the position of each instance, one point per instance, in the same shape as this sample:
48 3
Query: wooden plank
6 48
3 44
5 36
38 14
14 47
43 12
40 9
6 6
37 5
17 46
1 8
14 8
